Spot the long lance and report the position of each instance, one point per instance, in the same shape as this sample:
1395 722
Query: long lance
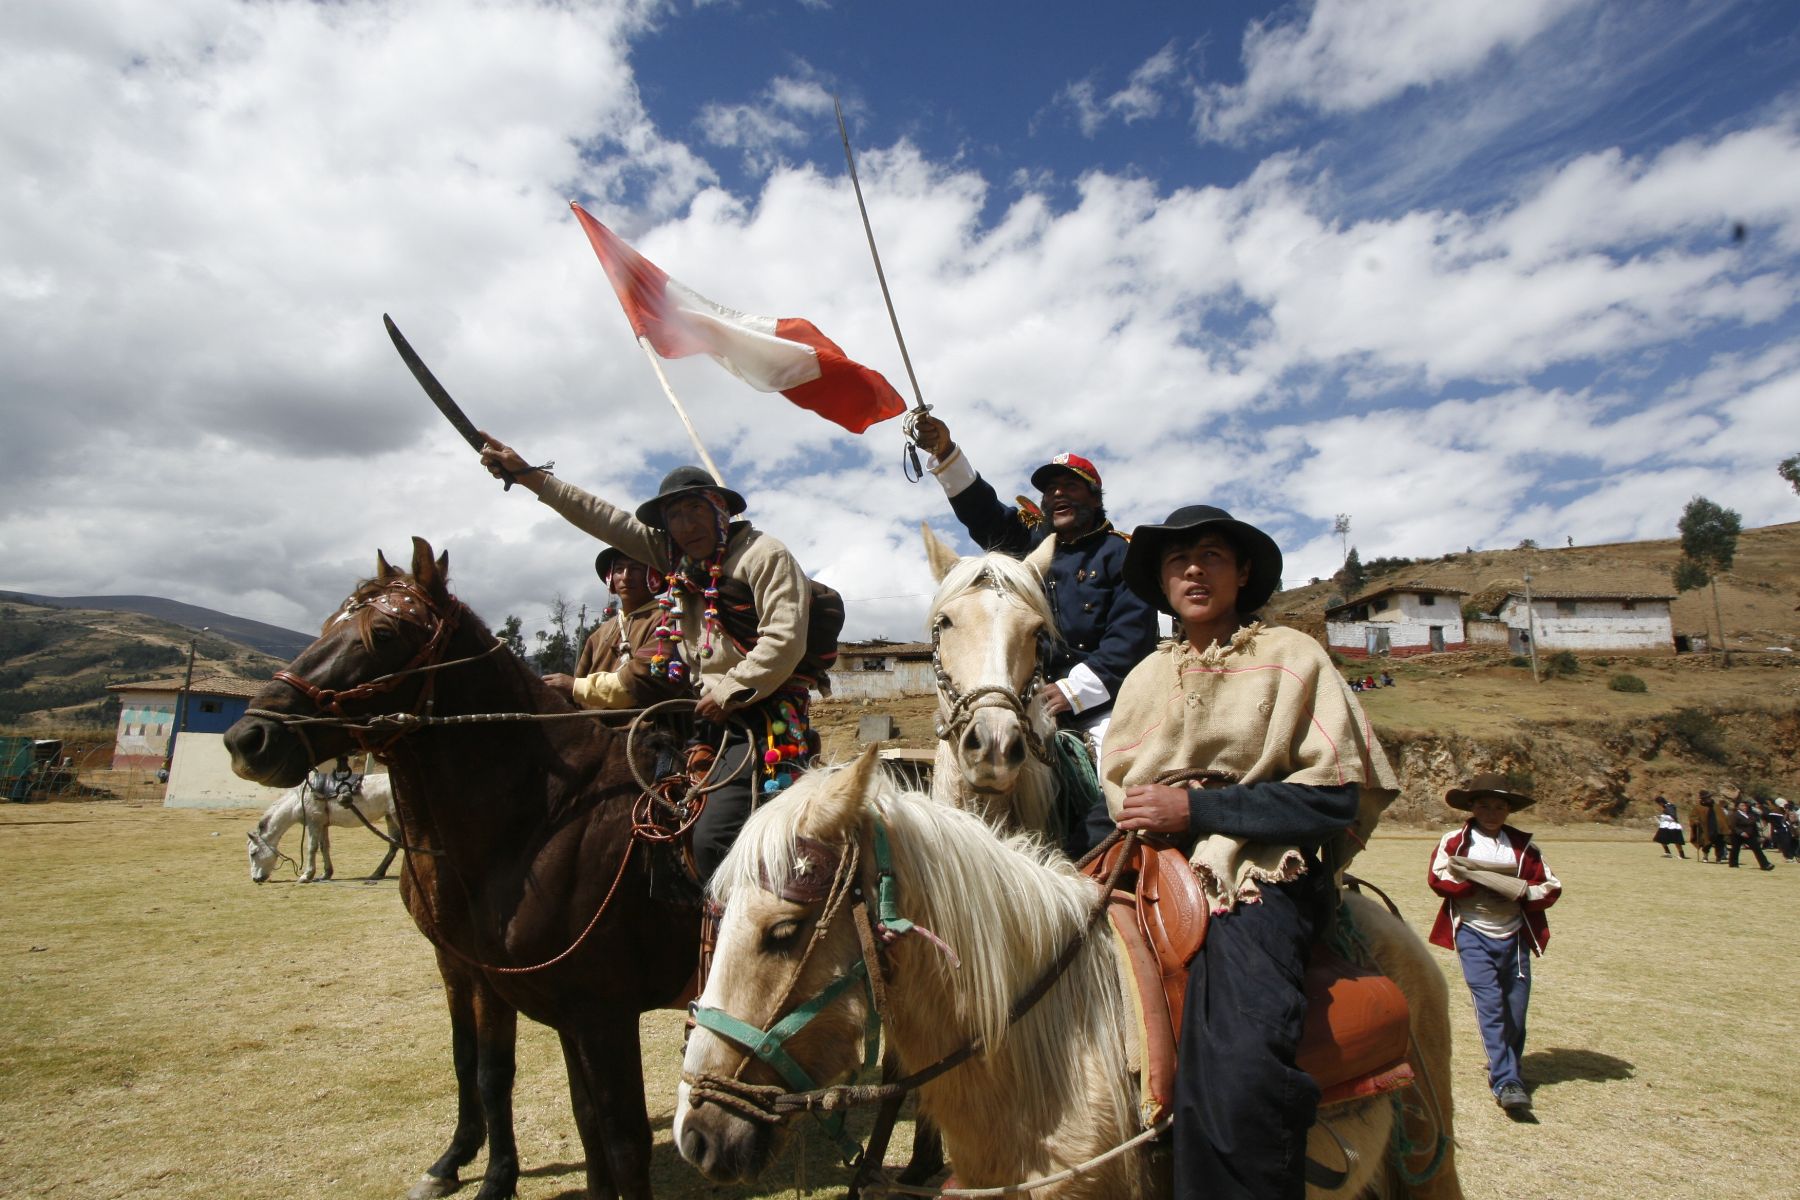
919 408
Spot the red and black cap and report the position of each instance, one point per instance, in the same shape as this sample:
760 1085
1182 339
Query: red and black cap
1074 464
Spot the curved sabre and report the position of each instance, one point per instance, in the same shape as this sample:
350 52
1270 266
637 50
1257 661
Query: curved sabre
458 419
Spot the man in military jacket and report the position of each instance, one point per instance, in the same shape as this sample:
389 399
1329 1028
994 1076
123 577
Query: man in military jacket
1106 628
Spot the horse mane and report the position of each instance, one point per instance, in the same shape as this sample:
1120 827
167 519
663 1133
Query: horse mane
1016 580
1007 905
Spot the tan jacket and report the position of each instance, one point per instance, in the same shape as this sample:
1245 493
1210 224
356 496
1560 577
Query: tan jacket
604 677
1268 706
730 676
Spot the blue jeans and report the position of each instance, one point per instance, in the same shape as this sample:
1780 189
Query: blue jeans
1498 972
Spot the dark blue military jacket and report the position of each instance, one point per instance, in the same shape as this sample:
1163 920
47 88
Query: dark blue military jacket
1104 623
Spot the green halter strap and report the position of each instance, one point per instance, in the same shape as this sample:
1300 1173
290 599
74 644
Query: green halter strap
767 1046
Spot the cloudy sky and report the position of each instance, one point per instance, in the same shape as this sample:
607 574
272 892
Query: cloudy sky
1468 272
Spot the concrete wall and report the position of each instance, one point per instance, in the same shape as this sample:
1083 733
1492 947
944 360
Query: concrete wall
1487 633
145 719
202 777
905 677
1595 624
1350 639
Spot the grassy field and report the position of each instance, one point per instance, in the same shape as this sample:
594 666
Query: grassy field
170 1030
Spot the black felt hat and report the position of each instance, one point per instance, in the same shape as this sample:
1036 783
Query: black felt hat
1143 561
1489 783
686 481
603 562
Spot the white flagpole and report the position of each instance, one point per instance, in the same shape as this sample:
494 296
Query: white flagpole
693 436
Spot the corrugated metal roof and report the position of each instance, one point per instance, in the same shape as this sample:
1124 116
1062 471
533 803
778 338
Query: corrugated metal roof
203 685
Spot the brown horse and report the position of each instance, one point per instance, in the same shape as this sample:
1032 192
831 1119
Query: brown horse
539 900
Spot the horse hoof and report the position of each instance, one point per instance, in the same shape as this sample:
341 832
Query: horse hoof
430 1187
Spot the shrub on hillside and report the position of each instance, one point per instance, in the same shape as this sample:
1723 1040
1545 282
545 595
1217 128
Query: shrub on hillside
1518 660
1700 731
1564 662
1603 662
1627 683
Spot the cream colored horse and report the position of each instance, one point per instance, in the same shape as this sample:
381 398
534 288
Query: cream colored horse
986 620
1051 1091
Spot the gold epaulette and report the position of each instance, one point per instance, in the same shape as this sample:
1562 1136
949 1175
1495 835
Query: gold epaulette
1030 514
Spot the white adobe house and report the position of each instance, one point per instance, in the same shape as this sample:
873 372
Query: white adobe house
1634 622
882 671
1397 621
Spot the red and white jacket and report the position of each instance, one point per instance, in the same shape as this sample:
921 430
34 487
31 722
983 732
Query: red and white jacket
1542 888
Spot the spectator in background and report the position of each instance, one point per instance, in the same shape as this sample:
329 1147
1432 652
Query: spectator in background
1746 831
1668 827
1495 888
1709 827
1781 828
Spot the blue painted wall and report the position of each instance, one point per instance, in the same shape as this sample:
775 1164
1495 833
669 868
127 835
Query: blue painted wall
201 721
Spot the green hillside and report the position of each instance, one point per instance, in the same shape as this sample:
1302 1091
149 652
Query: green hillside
55 663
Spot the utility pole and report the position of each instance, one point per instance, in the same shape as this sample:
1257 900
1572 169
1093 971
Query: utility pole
179 722
1530 628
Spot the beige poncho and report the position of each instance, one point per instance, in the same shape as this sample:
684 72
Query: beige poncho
1268 706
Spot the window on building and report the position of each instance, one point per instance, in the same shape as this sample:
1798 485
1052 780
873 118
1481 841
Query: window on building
874 664
1628 605
212 706
1426 600
1565 608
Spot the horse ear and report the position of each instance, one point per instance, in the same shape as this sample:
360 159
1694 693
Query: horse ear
836 814
383 572
940 557
430 573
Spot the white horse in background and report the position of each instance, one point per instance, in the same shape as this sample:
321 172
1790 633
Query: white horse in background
987 621
316 812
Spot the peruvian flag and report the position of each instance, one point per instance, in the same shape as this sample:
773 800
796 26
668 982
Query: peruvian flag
771 354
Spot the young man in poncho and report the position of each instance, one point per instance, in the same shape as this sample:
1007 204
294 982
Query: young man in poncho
1243 739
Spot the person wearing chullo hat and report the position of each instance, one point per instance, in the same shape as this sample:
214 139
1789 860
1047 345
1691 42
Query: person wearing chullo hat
739 618
1495 888
1242 741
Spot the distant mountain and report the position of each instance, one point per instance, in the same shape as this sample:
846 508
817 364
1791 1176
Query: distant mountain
273 640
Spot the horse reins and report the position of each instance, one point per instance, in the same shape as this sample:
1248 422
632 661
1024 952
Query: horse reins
877 922
405 601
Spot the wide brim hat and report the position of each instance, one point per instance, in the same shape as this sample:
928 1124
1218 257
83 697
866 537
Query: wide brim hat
1072 464
1143 561
687 481
603 561
1487 784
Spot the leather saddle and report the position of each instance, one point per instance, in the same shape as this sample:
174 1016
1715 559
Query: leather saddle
1356 1035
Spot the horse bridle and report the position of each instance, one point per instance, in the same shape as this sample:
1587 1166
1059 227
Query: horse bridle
963 704
878 923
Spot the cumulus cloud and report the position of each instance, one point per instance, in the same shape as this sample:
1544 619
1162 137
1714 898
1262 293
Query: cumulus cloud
1145 93
767 128
1345 56
198 248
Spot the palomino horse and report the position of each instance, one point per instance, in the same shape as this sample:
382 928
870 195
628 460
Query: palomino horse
539 892
987 621
1050 1091
301 805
